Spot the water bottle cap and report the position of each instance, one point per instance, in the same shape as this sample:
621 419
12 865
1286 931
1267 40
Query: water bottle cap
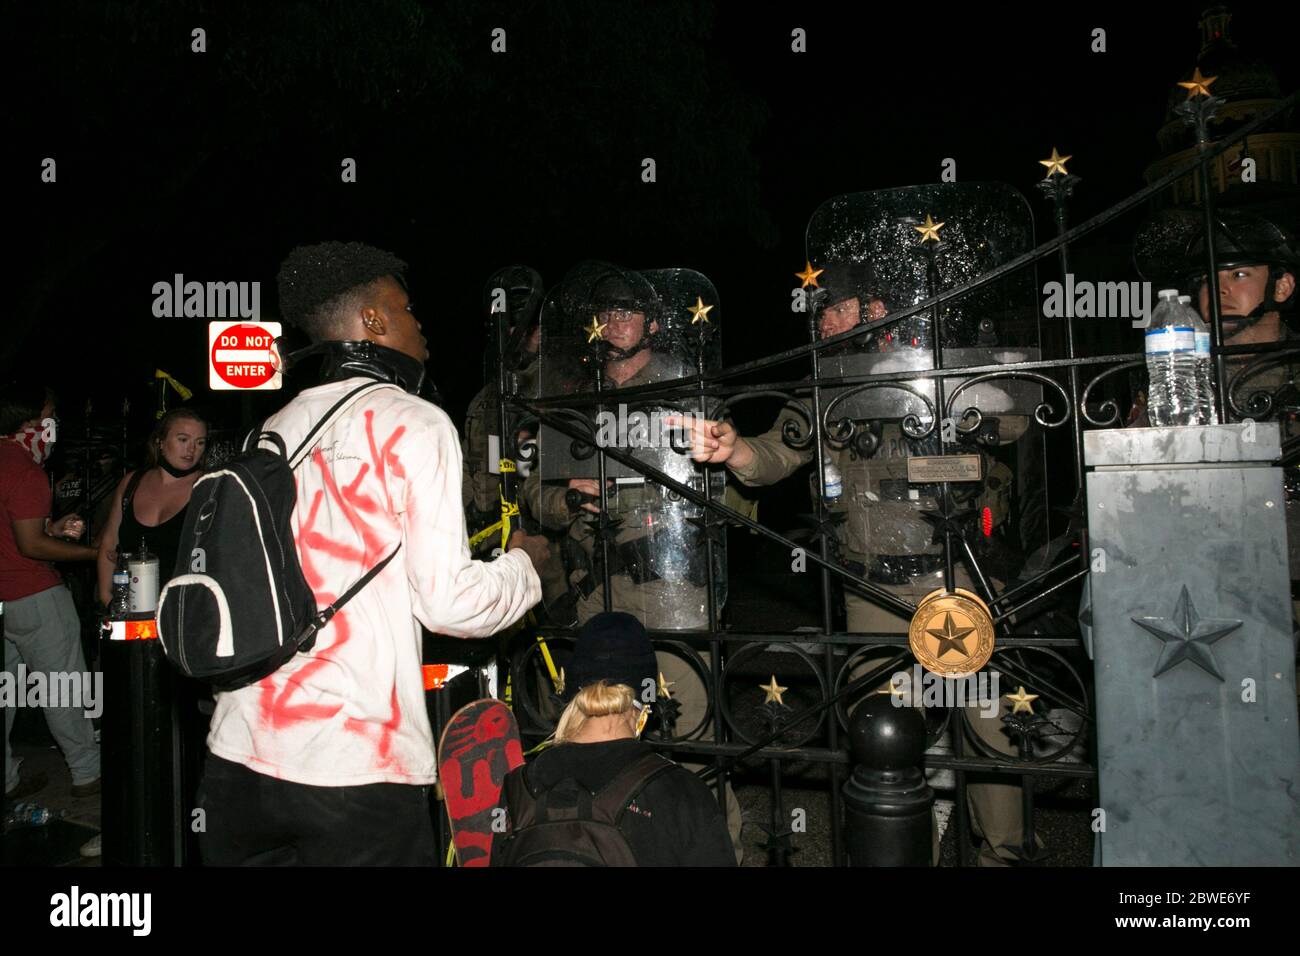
1168 293
1185 299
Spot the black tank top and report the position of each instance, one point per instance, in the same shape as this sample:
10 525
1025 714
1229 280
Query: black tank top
162 540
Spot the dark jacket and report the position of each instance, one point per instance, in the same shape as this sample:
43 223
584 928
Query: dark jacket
675 821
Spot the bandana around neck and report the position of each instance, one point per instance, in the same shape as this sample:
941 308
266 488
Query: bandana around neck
32 438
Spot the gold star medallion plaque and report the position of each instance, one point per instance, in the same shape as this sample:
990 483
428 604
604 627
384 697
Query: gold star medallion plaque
952 633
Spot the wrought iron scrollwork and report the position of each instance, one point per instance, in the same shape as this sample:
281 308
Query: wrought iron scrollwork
1041 410
845 430
1110 407
791 433
1261 403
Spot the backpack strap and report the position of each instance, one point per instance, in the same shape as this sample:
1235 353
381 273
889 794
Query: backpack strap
326 420
612 800
520 801
323 616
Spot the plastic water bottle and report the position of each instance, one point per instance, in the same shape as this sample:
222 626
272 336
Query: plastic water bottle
1206 413
1171 364
834 482
118 607
29 815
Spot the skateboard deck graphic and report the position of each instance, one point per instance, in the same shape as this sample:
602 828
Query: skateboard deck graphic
479 746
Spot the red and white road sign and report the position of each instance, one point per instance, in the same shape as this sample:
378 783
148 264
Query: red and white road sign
242 356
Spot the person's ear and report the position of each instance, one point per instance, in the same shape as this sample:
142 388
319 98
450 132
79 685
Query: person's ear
373 321
1284 288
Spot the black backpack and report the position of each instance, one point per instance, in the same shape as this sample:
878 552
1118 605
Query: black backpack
567 824
238 606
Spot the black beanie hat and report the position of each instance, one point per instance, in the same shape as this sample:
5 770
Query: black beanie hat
612 646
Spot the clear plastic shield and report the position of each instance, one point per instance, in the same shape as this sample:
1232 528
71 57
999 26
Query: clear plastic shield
894 466
604 331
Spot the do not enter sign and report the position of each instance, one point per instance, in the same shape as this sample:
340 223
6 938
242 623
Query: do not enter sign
242 355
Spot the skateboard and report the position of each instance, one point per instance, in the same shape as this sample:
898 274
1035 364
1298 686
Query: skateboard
479 746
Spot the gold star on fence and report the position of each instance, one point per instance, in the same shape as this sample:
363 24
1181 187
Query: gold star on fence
929 230
773 691
809 276
595 331
1023 703
1055 164
699 311
559 682
1198 85
894 689
664 685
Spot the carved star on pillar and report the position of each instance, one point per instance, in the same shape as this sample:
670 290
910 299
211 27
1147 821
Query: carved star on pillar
1187 637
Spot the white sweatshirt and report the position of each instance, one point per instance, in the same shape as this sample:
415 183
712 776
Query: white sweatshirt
351 711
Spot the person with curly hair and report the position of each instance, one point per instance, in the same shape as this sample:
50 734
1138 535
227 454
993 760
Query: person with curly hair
329 760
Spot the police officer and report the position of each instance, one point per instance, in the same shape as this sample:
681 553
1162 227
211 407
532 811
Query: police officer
657 560
1258 262
882 531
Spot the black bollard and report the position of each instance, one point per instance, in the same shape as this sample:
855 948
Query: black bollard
140 747
887 801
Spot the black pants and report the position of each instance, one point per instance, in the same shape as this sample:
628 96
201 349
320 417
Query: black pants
251 819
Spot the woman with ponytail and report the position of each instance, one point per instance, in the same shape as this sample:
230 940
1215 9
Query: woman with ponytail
598 795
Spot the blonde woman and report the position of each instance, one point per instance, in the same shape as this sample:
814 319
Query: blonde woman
600 796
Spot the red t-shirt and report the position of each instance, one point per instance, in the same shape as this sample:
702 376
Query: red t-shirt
24 493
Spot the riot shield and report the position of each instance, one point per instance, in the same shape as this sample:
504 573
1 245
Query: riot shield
890 464
606 329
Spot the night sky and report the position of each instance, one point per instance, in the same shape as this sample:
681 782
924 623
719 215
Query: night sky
214 164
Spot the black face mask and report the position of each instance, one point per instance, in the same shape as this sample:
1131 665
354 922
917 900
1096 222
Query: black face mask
174 471
364 358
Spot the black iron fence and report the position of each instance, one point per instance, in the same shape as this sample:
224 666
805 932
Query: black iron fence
1038 651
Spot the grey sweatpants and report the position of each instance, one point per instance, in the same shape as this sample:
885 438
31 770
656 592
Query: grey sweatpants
43 633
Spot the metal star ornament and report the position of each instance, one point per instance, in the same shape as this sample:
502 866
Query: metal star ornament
773 692
596 330
664 685
1055 164
1187 637
929 230
1022 703
896 688
1198 85
950 638
699 311
809 276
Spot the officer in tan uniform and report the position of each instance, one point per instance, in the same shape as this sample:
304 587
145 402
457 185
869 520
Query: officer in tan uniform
611 328
880 517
